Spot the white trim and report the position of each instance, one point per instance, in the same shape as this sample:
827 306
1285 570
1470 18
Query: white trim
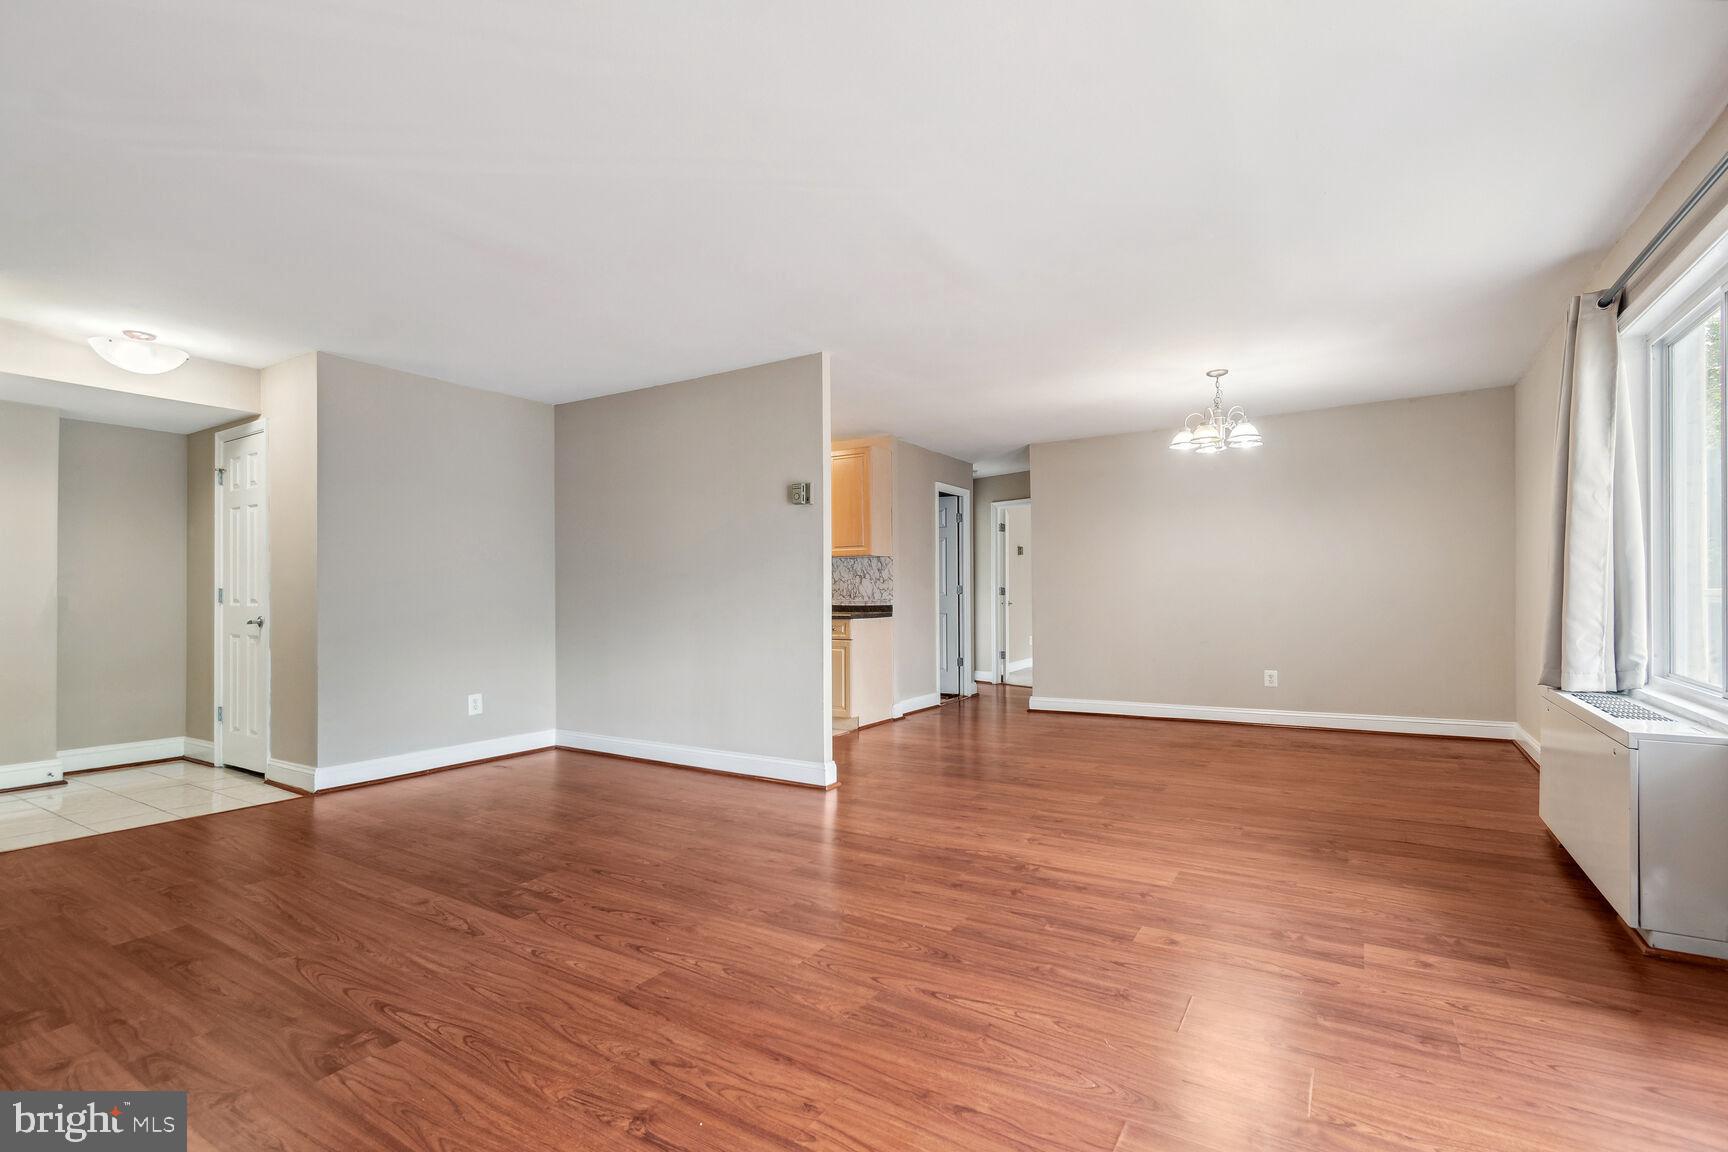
222 436
1688 287
1527 742
408 763
292 774
917 704
197 749
28 773
134 752
1416 725
985 678
1020 665
811 772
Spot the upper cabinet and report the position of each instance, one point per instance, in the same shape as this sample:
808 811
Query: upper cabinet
849 489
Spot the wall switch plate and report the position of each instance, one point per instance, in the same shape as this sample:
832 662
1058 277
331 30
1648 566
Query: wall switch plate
475 706
1271 678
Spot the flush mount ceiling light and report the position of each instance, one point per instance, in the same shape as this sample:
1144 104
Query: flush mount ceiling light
1218 427
138 351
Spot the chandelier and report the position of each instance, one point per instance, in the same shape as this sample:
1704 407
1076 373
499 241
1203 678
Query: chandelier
1218 427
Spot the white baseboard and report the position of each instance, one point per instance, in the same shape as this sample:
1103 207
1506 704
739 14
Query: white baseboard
408 763
1020 665
812 772
1415 725
917 703
292 774
133 752
1527 742
29 773
984 677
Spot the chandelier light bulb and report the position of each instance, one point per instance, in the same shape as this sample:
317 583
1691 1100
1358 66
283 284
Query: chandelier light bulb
1217 428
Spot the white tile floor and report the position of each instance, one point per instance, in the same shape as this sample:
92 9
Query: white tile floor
108 801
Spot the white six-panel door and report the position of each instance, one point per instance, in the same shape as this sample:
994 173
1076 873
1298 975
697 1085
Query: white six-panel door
245 607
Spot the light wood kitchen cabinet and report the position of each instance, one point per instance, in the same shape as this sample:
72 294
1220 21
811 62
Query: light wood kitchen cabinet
849 499
840 659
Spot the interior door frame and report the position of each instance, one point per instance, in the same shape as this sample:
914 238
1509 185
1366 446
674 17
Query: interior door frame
968 686
999 580
222 437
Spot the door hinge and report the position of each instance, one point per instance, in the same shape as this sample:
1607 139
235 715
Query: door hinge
962 663
1002 655
1002 527
1002 592
221 475
218 595
218 713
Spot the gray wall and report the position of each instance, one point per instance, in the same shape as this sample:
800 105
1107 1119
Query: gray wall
692 598
200 720
290 404
1366 553
1017 542
435 552
122 573
916 473
29 574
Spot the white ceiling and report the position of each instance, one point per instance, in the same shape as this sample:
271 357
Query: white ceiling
1007 222
107 406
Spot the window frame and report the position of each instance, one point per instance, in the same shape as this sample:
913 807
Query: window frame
1673 323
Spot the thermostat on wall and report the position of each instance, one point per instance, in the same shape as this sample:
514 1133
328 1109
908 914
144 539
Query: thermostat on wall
798 493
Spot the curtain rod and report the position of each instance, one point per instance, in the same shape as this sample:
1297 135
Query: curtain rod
1656 241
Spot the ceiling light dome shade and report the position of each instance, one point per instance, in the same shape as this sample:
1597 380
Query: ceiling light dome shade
138 352
1183 441
1245 435
1205 434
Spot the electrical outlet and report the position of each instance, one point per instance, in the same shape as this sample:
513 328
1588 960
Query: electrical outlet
1271 678
475 706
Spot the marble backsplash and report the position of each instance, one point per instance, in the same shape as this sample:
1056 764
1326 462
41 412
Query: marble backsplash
863 579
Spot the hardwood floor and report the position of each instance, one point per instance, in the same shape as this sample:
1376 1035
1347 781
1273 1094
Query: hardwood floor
1002 931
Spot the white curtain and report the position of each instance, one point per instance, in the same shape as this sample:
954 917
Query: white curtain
1598 617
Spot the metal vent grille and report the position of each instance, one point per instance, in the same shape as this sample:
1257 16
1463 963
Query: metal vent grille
1620 707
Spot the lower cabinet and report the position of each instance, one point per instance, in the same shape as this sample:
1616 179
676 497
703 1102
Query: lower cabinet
840 660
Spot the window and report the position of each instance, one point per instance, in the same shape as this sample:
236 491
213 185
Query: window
1691 627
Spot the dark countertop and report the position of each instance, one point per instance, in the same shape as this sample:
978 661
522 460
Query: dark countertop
862 611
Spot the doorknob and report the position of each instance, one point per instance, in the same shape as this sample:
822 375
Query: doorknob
259 621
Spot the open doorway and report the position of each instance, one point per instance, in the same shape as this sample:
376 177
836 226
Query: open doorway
1013 583
953 606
